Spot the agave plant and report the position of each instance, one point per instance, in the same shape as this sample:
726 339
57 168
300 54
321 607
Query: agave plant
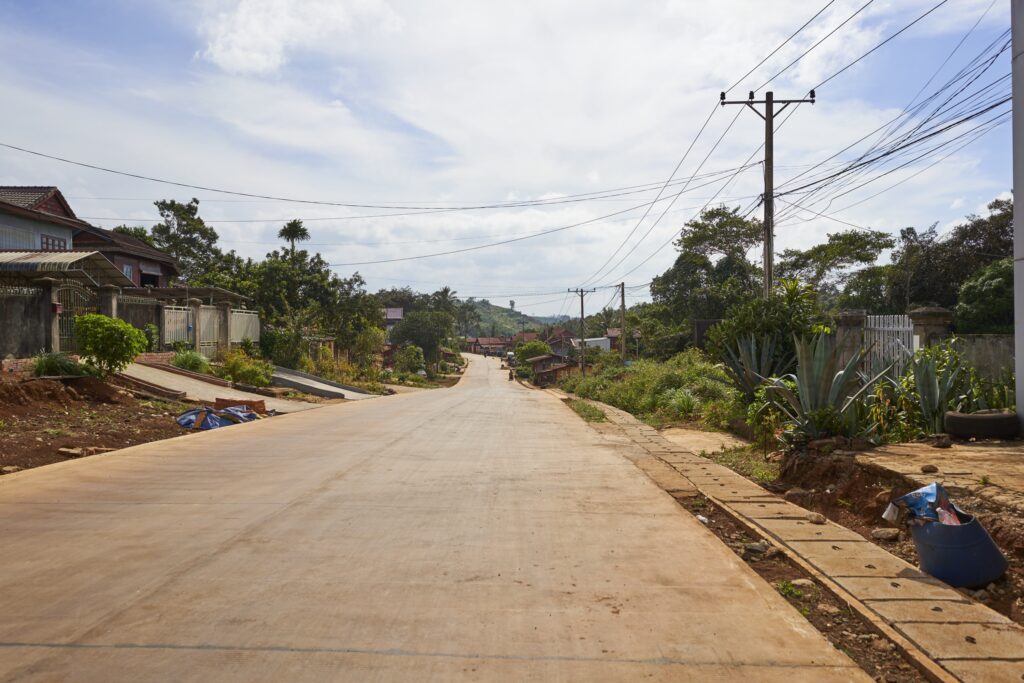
935 388
825 400
749 364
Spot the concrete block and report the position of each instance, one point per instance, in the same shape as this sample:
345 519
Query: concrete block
966 641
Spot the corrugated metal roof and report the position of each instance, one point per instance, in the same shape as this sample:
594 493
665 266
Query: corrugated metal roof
91 266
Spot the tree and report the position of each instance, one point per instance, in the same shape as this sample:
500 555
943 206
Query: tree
367 344
825 264
185 236
136 231
868 289
425 329
531 349
409 359
444 300
986 301
720 232
292 232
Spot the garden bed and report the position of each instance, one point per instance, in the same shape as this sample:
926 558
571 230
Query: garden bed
40 417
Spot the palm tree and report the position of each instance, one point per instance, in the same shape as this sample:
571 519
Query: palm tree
445 300
292 232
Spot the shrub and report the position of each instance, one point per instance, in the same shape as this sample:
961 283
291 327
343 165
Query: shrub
985 303
50 364
250 347
107 343
239 367
152 333
409 359
192 361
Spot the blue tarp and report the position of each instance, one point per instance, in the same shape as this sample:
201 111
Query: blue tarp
209 418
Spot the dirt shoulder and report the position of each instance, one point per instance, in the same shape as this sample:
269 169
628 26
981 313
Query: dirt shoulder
40 417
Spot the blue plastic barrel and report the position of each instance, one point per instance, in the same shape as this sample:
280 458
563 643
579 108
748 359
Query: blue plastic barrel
962 556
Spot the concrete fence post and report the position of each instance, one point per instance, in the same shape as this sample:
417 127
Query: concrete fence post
932 324
850 333
224 309
197 306
50 314
108 300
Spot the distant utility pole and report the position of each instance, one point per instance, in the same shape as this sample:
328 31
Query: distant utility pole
770 111
622 316
583 329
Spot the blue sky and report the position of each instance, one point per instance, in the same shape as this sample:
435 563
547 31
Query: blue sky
371 101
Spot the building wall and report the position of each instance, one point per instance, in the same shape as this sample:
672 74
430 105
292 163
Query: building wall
23 233
989 354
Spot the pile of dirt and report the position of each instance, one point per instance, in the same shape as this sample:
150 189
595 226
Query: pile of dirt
854 495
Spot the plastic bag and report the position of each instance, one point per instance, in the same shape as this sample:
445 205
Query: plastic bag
927 504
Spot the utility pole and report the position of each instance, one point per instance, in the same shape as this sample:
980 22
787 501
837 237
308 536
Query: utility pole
1017 81
622 315
583 329
768 197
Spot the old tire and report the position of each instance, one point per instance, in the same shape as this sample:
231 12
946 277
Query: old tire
985 424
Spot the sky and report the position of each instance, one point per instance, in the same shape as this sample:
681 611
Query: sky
458 103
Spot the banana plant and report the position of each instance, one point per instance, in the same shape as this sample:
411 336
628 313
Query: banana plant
827 391
935 388
749 364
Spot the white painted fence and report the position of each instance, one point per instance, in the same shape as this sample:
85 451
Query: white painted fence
244 325
177 324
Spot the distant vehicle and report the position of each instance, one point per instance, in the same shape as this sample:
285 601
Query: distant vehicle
510 359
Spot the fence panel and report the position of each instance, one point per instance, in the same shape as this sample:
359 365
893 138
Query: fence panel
177 324
888 339
209 330
75 300
244 325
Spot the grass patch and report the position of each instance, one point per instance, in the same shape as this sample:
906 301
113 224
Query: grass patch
789 590
748 461
588 412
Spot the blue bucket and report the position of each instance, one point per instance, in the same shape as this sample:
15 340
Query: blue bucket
962 556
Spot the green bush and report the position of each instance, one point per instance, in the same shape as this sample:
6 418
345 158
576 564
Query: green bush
192 361
48 364
239 367
152 333
985 303
108 344
409 359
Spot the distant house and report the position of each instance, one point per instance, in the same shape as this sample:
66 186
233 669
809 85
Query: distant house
487 345
550 368
614 333
393 316
140 263
36 219
524 337
560 341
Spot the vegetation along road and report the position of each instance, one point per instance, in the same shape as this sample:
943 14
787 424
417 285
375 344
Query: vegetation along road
480 532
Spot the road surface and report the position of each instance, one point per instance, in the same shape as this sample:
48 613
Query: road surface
481 532
198 390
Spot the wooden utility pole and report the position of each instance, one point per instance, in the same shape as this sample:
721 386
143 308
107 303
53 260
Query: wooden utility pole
622 321
583 329
768 197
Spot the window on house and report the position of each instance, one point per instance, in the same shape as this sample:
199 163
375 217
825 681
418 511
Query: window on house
51 243
127 270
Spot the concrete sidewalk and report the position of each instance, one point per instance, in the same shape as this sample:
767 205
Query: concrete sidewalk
955 638
480 533
199 390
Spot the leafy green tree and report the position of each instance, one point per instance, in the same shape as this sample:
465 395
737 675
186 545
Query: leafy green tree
720 231
409 359
425 329
108 344
868 289
185 236
986 301
445 301
825 265
292 232
367 344
136 231
526 350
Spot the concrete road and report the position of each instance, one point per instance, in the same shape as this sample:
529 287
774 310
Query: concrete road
198 390
478 533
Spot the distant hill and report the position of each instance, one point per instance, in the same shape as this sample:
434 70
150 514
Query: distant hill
499 321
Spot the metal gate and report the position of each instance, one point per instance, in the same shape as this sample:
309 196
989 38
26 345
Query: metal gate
74 300
888 339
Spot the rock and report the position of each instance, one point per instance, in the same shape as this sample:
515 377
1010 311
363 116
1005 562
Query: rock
94 450
759 548
10 469
882 645
702 519
982 595
942 441
886 534
929 469
816 518
802 583
827 608
795 494
883 497
71 452
867 636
